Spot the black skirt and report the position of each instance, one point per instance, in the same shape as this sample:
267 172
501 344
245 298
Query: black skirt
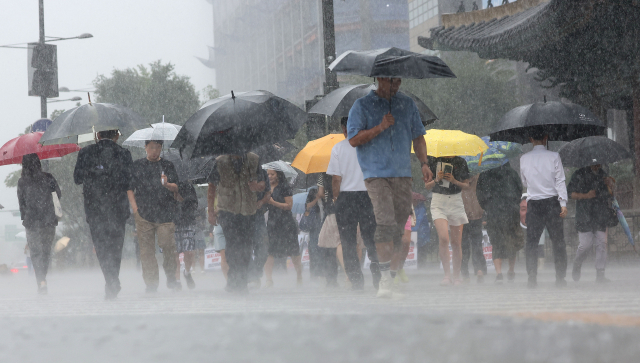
283 236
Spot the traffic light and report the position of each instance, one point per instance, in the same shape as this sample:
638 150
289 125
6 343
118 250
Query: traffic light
43 70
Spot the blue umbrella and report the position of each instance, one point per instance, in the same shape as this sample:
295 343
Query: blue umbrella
498 154
300 202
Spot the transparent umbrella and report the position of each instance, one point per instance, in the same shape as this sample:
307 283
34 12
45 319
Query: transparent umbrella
161 131
282 166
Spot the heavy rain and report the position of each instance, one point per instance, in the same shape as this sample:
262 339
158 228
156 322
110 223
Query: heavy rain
320 181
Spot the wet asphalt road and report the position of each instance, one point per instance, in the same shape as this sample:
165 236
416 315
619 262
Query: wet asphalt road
472 323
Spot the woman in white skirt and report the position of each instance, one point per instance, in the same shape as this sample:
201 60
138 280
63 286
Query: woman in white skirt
447 211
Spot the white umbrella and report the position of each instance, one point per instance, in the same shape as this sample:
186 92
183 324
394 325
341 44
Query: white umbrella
61 244
282 166
161 131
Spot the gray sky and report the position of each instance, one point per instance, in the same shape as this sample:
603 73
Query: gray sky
126 33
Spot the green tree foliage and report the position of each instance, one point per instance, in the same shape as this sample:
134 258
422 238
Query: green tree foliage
150 91
474 101
208 93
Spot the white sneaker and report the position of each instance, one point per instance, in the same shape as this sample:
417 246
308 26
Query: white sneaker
384 289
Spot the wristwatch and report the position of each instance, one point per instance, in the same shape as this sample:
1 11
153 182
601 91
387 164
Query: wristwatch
422 163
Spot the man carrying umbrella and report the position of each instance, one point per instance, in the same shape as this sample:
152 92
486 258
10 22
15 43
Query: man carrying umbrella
104 170
236 180
382 126
542 175
589 186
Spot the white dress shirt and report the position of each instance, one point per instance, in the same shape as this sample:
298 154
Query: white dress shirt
542 175
344 163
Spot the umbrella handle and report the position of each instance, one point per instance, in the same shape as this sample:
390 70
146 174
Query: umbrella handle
480 161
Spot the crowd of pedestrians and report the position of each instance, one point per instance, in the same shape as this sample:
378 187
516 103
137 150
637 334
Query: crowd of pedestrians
364 202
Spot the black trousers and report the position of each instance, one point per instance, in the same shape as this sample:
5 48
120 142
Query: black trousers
472 248
260 253
540 214
40 240
329 265
238 232
353 209
108 239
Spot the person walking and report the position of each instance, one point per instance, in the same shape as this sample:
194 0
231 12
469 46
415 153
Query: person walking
153 195
589 186
282 227
256 266
37 212
543 177
499 193
186 229
472 234
104 170
447 211
382 126
236 180
353 209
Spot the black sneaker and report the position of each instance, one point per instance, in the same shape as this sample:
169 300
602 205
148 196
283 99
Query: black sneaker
499 279
533 282
600 277
575 274
561 283
190 283
111 292
174 285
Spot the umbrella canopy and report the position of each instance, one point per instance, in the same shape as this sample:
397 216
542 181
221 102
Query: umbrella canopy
452 143
194 170
562 121
79 124
273 152
498 154
61 244
299 203
339 102
163 131
13 151
282 166
314 158
238 123
592 150
391 62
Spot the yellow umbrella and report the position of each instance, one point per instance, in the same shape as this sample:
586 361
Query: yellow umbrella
61 244
453 143
314 158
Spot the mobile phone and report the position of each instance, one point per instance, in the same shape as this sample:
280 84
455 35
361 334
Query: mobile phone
448 169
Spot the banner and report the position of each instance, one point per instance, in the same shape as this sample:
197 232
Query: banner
212 259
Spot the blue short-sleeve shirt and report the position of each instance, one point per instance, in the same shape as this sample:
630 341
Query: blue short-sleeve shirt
388 155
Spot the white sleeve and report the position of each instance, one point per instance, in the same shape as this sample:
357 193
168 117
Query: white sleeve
561 187
522 175
334 163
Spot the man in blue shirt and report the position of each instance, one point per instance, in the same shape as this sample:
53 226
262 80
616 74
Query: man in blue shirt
382 127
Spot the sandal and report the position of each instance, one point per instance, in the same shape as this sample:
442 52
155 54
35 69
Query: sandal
445 282
457 282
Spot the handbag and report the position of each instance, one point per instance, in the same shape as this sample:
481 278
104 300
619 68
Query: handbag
57 208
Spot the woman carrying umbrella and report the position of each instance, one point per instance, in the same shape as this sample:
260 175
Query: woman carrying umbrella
281 226
37 210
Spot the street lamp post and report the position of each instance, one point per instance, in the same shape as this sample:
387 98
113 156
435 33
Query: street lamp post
43 99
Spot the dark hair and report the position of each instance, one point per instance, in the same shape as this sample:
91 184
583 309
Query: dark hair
538 133
343 121
146 142
282 180
31 166
108 134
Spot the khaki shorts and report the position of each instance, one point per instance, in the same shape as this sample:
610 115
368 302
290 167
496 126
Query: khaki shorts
449 207
391 199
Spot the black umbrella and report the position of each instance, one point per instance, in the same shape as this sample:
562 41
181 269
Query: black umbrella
592 150
273 152
79 124
561 121
238 123
339 102
194 170
391 62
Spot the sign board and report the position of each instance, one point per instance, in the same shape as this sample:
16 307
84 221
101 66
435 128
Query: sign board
212 259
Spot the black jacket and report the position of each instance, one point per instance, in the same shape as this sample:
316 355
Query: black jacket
36 201
104 170
499 192
591 214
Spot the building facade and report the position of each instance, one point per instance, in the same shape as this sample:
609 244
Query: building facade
277 45
425 14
